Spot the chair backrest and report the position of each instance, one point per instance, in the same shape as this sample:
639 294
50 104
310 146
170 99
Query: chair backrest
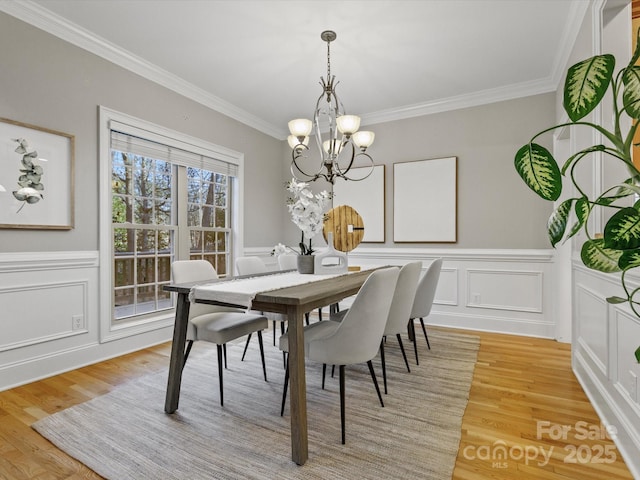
250 265
403 297
426 290
186 271
358 337
288 261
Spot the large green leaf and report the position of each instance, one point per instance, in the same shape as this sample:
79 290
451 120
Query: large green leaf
629 259
631 93
558 221
638 355
595 256
582 209
622 231
539 170
586 84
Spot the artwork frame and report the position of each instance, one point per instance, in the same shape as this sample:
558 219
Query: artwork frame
367 197
37 171
425 204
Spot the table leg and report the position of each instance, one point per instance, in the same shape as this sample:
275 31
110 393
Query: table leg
298 396
177 353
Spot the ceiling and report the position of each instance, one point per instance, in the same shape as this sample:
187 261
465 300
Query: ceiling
260 61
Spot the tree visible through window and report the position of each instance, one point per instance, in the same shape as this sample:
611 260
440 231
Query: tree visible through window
146 219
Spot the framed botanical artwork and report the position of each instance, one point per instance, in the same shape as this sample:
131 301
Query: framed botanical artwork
36 177
425 201
367 198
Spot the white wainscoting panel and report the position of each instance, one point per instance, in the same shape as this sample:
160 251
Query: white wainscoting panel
591 331
49 306
517 290
604 339
625 372
60 310
447 292
506 291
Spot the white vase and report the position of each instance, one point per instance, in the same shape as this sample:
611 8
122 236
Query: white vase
330 260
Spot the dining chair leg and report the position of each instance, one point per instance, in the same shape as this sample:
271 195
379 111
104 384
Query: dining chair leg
264 367
220 374
306 318
375 382
284 389
246 344
424 330
284 354
224 349
412 327
324 373
186 353
404 355
320 314
274 333
341 374
384 365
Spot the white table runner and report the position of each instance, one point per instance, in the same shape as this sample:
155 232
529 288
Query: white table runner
242 291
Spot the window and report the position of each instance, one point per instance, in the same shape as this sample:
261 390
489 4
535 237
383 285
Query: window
208 218
144 226
168 197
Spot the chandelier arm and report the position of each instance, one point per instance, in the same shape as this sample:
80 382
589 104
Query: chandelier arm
353 156
370 166
343 173
296 153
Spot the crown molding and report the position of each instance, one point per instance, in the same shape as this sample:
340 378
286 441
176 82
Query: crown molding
40 17
482 97
48 21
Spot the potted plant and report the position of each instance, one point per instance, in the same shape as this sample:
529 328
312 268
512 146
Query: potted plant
617 249
307 212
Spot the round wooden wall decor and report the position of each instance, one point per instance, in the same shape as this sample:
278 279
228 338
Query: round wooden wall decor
347 227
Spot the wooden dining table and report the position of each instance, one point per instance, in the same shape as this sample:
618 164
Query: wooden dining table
294 302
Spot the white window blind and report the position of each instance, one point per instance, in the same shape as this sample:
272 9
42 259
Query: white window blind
139 142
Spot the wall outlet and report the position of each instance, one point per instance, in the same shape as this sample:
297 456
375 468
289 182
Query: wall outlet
475 298
77 322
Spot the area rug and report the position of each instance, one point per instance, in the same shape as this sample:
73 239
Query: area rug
125 434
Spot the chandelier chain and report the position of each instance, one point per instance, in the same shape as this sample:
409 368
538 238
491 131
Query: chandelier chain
328 61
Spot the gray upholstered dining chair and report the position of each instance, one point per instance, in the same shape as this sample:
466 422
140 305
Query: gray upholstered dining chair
354 340
212 323
400 311
423 301
288 261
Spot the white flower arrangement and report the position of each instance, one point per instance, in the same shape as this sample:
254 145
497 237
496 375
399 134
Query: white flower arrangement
307 212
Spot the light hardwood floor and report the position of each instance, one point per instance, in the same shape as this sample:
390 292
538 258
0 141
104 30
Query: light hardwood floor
518 382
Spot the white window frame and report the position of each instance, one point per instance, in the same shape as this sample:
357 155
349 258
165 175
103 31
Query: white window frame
110 330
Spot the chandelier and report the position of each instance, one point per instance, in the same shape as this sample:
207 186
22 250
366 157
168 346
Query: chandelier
343 147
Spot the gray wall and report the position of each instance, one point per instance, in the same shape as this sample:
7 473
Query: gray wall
495 208
48 82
